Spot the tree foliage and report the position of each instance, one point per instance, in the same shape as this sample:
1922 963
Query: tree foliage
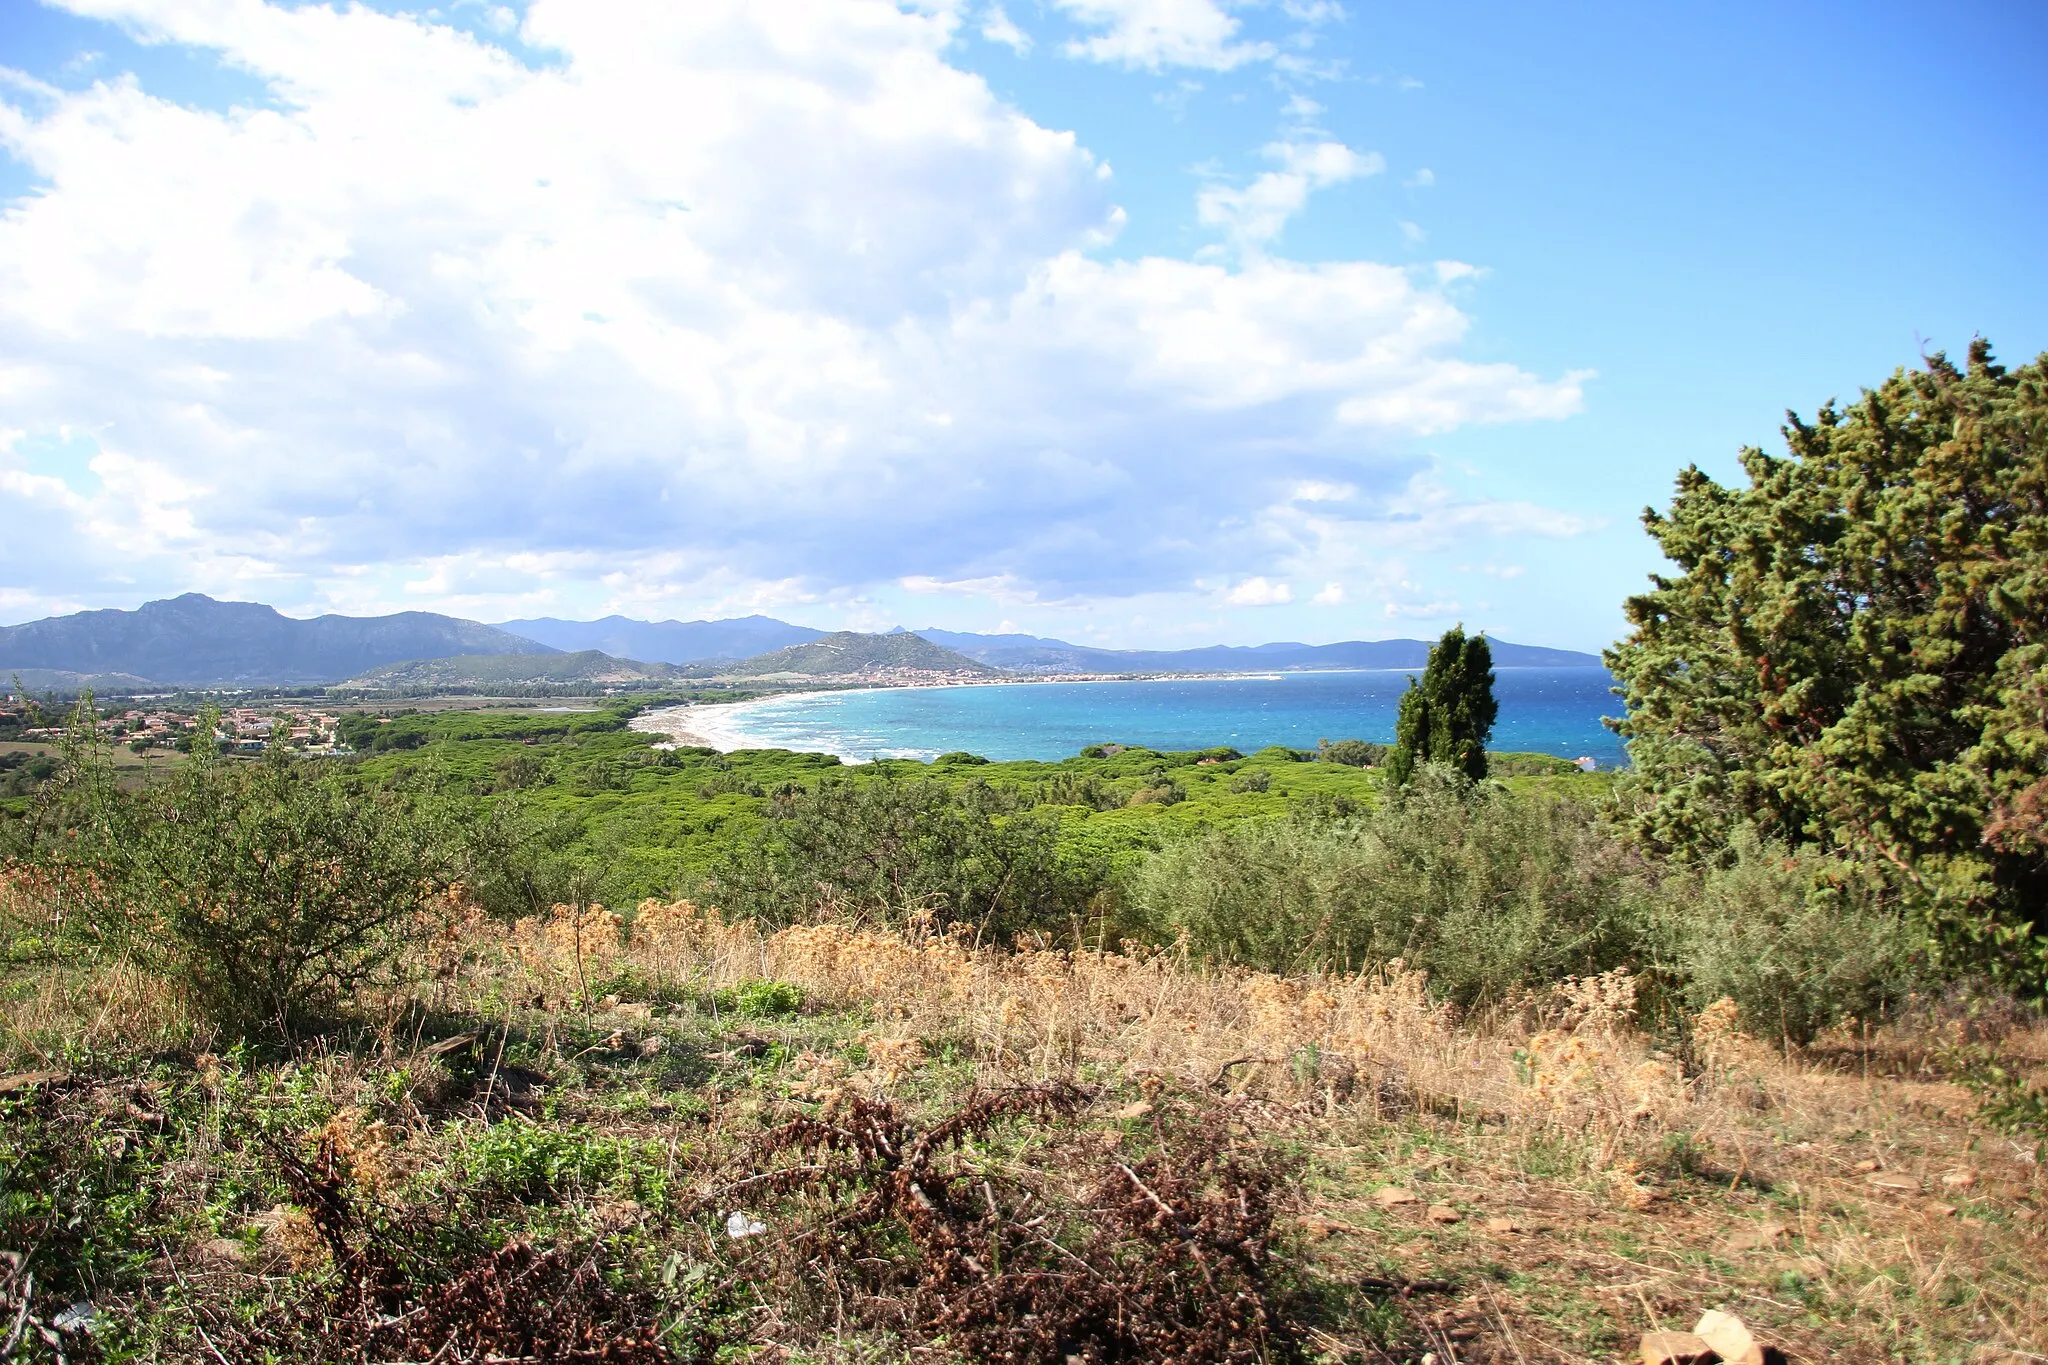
1447 716
1852 651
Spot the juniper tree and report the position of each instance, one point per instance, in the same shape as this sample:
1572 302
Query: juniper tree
1852 652
1447 715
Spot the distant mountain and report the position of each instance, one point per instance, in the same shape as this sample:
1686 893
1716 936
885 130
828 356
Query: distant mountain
849 652
500 670
1035 654
194 639
674 642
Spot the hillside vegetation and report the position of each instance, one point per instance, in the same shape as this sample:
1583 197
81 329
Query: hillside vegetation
850 652
491 670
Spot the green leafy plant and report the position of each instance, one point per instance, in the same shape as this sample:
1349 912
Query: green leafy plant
762 999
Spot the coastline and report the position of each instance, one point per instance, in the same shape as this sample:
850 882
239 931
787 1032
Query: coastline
729 739
806 720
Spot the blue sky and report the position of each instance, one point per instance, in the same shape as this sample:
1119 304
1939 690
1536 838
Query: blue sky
1145 322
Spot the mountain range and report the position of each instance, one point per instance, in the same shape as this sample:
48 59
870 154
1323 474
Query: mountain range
196 640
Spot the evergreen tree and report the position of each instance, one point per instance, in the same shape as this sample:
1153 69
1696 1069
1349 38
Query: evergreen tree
1852 652
1447 716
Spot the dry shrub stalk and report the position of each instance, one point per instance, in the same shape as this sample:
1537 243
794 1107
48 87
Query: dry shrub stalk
935 1233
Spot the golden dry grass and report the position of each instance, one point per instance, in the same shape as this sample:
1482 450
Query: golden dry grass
1845 1202
1573 1181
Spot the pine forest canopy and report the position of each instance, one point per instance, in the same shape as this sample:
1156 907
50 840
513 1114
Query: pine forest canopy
1852 652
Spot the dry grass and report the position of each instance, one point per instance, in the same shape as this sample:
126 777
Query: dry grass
1843 1201
1573 1181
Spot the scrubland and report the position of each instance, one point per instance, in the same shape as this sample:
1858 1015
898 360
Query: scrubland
662 1134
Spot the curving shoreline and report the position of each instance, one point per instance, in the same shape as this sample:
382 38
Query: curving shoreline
1554 711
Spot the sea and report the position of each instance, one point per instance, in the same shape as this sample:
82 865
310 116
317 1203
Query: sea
1542 710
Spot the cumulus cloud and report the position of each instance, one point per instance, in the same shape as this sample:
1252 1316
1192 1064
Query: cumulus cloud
1158 33
1252 215
997 27
736 302
1259 592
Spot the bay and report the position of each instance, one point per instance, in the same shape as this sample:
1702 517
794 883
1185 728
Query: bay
1542 710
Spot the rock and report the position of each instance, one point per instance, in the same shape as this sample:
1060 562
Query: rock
1386 1196
1135 1110
1892 1180
1675 1348
1503 1226
652 1045
1444 1213
1959 1180
1728 1338
1757 1236
1865 1167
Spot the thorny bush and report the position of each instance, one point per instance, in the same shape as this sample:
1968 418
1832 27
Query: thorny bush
1165 1255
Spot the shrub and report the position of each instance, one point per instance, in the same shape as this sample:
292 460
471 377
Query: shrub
264 891
1352 753
1485 890
1257 780
885 848
1798 940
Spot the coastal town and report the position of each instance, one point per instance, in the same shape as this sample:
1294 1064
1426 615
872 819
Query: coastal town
240 729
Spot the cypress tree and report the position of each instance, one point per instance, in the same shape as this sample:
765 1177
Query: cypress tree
1447 716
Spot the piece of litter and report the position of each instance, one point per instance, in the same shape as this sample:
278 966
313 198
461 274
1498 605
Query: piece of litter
79 1317
739 1225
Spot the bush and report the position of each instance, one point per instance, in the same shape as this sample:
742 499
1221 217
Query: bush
1352 753
1485 890
1257 780
884 848
1798 940
264 891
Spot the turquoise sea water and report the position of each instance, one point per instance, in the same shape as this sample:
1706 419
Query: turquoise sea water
1544 710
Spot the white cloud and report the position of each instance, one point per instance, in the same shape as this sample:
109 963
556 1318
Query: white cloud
1422 179
1259 592
1413 233
1331 595
1158 33
1254 214
997 27
670 315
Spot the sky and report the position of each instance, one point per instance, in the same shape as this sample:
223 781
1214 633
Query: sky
1145 323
